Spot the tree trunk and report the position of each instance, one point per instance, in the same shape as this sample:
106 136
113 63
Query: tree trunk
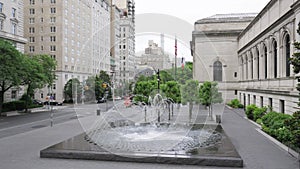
190 111
27 97
1 101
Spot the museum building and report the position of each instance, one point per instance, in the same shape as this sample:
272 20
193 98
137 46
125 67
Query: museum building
248 55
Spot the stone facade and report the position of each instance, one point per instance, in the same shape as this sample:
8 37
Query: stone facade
75 33
214 49
155 57
256 69
265 46
12 29
127 41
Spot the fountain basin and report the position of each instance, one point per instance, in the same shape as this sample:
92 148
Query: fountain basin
171 146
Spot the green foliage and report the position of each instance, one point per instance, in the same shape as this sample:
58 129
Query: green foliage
209 94
183 75
72 88
143 89
249 111
189 91
293 125
11 68
258 113
235 103
259 121
172 90
13 106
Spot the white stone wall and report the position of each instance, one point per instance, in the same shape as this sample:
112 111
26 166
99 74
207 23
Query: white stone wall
263 70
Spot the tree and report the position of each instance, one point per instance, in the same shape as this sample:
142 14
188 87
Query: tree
172 90
143 90
73 89
38 72
11 70
189 94
295 60
209 95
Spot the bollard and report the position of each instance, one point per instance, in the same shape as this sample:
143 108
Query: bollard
218 119
98 112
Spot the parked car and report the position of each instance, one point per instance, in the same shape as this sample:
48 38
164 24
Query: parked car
101 100
118 98
38 102
53 102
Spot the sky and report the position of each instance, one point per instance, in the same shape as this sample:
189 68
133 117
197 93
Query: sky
193 10
188 11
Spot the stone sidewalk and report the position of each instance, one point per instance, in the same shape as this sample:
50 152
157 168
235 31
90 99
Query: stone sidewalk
22 150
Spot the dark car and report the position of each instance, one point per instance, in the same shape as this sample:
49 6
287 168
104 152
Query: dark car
38 102
101 100
53 102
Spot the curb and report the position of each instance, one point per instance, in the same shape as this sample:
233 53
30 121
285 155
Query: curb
279 144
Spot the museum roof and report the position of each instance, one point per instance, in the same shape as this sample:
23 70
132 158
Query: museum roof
233 17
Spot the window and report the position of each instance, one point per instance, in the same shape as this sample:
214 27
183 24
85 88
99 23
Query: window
254 99
31 20
42 19
14 28
1 24
235 74
31 39
42 48
287 55
53 1
42 95
54 86
261 101
251 62
52 19
52 38
235 92
217 71
52 10
53 56
13 12
66 67
1 7
31 11
281 106
271 102
13 94
31 48
248 99
52 29
66 77
31 2
257 57
275 58
52 48
266 61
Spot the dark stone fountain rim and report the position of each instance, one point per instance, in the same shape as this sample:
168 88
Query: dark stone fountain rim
77 147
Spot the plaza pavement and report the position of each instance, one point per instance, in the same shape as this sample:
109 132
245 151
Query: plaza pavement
22 151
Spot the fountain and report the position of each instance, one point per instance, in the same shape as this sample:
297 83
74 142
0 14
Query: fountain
155 141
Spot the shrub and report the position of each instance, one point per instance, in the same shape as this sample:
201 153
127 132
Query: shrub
259 121
235 103
259 113
14 105
293 124
249 111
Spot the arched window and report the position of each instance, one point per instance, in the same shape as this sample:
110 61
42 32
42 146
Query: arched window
275 58
257 54
218 71
251 64
287 55
266 61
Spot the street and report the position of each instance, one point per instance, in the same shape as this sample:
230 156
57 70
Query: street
13 125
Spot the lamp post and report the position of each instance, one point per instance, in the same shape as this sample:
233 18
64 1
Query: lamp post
158 81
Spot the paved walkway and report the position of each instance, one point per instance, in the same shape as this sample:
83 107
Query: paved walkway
22 150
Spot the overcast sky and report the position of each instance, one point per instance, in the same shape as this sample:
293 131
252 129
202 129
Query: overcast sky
192 10
187 10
